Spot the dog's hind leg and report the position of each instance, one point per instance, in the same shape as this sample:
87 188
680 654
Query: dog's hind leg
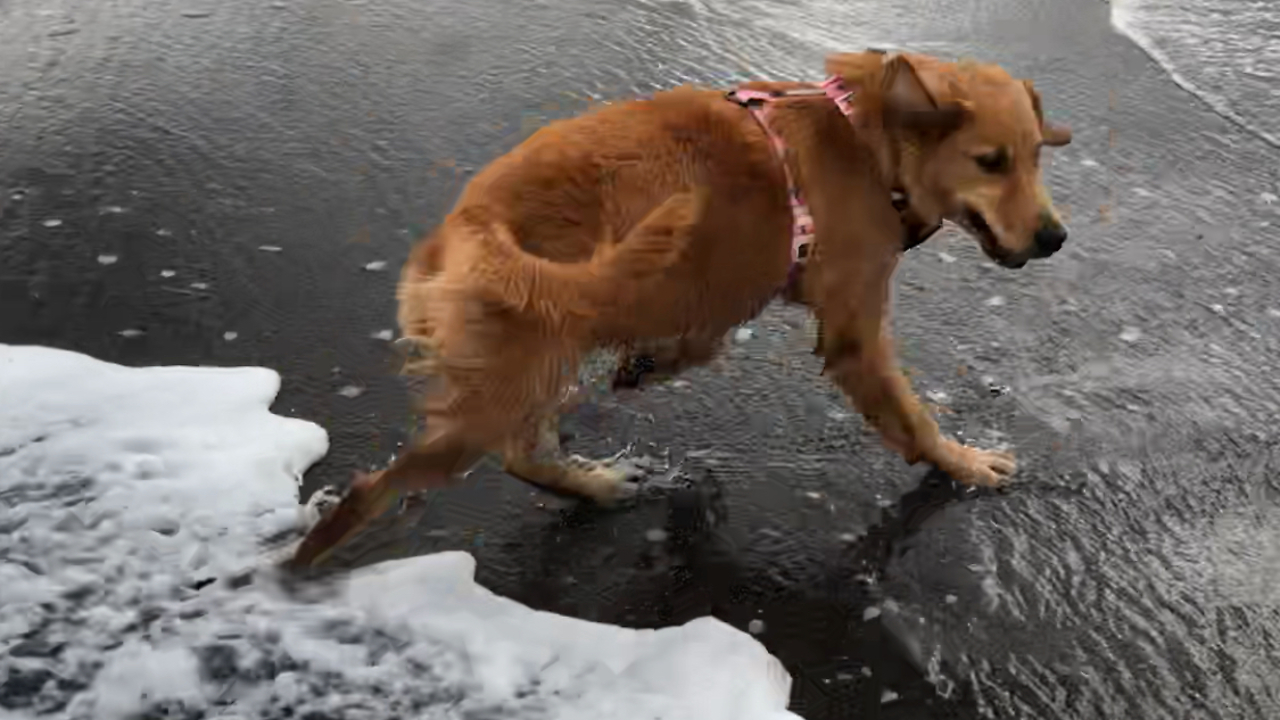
535 456
482 399
432 463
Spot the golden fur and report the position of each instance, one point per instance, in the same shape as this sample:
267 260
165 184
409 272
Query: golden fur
656 226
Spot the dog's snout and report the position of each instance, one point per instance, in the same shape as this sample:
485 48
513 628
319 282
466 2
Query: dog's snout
1050 237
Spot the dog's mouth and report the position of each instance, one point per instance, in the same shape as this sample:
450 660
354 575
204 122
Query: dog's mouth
976 225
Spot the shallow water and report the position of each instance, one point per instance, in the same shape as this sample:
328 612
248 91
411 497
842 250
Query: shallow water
1225 51
247 166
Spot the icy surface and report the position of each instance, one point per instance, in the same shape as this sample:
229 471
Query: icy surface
134 507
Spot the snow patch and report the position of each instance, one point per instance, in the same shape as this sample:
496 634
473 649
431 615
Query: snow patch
137 502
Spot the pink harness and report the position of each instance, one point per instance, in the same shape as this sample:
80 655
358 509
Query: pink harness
757 102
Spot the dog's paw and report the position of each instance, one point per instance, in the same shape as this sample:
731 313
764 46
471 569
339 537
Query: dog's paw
321 503
622 488
975 467
607 482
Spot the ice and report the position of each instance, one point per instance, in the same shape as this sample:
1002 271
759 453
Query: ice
140 505
376 266
137 670
271 248
51 223
168 273
1205 46
108 259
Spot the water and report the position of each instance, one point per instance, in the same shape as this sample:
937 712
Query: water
1227 52
265 159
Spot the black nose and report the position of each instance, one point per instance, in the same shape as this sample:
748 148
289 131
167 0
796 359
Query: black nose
1049 238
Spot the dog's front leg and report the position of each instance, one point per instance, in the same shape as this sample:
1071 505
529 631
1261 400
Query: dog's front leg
859 356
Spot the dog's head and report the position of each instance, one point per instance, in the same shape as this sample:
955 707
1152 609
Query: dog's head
966 141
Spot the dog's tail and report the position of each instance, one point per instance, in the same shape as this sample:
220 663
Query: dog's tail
559 292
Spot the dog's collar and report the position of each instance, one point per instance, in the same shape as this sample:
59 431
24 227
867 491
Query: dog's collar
833 89
914 237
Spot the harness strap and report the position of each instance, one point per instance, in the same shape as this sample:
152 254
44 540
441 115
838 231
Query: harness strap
833 88
757 103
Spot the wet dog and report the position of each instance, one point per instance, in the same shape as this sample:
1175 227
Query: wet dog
649 229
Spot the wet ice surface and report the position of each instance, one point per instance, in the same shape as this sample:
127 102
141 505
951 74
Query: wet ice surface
1224 51
1126 574
135 505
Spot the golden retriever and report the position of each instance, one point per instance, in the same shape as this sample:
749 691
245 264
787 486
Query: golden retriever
653 227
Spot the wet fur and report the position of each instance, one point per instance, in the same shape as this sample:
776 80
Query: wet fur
654 227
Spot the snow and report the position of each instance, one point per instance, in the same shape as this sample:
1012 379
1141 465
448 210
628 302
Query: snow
137 509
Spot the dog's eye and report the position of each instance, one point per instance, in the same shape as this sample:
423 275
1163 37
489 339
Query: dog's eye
995 162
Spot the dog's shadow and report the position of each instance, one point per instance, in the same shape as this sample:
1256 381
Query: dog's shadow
676 552
899 522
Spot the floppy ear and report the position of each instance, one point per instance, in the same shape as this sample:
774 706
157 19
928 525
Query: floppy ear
908 104
855 68
1054 135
